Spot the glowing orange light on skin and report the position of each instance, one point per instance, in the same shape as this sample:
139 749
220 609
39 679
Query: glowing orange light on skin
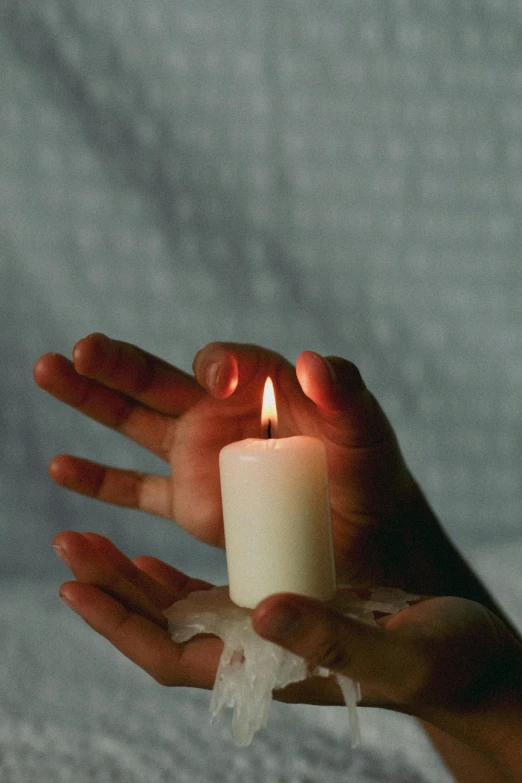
268 409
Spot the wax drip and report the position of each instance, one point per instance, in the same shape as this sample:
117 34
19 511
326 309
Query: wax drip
251 667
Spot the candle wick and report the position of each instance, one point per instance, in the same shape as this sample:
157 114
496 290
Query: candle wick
269 429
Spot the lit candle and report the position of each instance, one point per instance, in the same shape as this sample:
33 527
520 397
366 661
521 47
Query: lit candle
276 512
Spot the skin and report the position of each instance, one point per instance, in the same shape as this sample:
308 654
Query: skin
186 420
384 532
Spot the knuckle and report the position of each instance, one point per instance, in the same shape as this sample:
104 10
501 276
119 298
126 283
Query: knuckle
160 677
333 654
112 583
120 629
143 376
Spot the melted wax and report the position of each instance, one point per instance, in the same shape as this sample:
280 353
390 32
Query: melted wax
250 667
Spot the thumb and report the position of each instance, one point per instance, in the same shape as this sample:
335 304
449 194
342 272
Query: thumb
227 368
342 398
331 382
326 638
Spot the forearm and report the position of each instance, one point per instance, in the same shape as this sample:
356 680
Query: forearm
444 571
438 567
489 748
467 764
485 744
499 731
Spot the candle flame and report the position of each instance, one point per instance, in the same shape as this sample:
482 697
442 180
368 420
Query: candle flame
269 410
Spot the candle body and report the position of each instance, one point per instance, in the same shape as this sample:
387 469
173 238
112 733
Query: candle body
276 511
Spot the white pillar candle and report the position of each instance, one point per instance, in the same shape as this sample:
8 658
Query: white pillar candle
276 512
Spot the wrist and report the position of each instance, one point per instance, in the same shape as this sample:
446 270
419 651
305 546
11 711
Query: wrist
499 730
492 726
496 735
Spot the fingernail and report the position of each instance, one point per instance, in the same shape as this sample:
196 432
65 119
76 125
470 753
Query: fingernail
220 378
66 598
345 374
331 370
102 344
60 551
281 622
212 375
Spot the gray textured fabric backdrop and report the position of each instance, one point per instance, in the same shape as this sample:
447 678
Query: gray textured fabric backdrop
340 176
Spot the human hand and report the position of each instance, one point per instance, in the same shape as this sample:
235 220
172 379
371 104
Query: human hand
186 420
123 600
384 531
448 661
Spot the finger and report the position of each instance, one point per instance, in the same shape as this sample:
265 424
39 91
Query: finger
225 368
91 564
162 583
136 373
128 488
175 584
153 589
326 638
193 664
330 382
336 387
56 375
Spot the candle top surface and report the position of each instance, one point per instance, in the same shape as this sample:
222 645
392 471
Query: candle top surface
276 444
